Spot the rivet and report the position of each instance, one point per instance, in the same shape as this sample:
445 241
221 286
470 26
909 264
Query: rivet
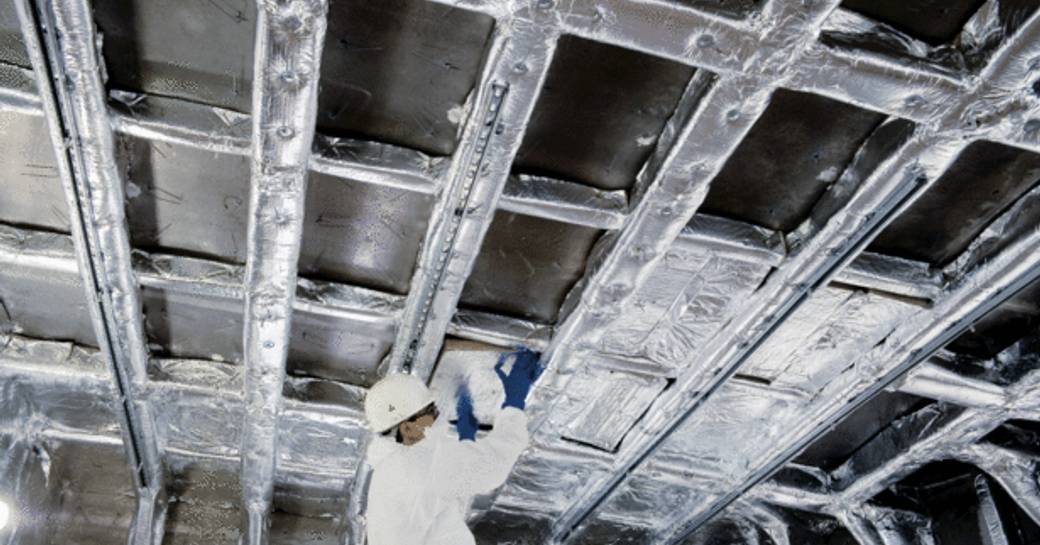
286 131
705 41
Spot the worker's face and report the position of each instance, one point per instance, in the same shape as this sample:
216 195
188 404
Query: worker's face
413 430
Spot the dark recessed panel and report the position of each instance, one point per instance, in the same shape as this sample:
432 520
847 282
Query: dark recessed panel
737 9
933 21
12 46
1022 435
834 447
204 505
497 527
600 113
31 192
399 71
335 350
1016 318
188 326
362 234
982 182
91 492
44 304
527 265
186 201
196 50
793 153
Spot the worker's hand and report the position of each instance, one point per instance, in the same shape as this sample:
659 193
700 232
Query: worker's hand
517 383
467 424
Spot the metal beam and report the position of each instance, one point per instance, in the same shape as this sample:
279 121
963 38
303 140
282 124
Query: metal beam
289 41
499 113
62 43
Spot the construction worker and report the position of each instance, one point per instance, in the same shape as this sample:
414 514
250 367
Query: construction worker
424 476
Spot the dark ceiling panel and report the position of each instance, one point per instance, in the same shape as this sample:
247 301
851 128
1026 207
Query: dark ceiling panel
31 192
793 153
12 46
199 50
399 71
185 201
362 234
933 21
600 113
527 265
833 448
982 182
1001 327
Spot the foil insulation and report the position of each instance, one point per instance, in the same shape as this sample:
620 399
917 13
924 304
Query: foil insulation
693 358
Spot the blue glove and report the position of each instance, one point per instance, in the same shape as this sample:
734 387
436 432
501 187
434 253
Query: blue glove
467 423
517 383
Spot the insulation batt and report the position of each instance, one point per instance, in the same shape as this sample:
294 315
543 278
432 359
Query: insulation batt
420 493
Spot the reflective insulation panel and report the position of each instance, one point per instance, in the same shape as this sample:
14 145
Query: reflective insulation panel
569 136
197 51
31 192
692 291
377 56
983 182
527 265
818 138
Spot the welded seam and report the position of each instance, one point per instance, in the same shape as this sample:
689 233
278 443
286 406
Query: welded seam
287 57
62 45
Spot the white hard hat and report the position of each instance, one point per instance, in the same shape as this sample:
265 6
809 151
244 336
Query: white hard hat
395 399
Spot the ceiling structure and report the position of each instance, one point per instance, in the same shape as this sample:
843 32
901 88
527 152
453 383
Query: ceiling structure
782 259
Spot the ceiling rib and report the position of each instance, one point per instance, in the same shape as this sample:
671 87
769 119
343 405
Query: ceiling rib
62 43
289 41
499 113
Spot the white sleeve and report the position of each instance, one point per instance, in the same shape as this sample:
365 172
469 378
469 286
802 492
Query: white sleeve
478 467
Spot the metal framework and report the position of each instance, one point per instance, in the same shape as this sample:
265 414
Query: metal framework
289 41
62 44
938 432
724 99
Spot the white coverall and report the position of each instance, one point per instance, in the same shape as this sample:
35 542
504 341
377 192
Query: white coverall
419 494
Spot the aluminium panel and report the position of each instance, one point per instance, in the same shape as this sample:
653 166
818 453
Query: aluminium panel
198 51
817 137
983 182
31 193
362 234
378 55
934 21
527 265
689 297
571 137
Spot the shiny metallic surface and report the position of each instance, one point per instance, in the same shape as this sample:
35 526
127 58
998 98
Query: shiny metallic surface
780 258
289 40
